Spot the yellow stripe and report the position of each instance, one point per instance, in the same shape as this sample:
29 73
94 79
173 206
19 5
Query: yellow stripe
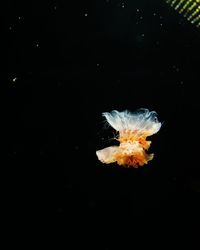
190 9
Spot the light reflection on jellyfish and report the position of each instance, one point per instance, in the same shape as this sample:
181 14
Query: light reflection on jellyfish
133 128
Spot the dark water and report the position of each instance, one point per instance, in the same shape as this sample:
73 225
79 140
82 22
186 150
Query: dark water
82 66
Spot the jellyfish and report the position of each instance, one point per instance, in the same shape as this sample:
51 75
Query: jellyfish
132 128
190 9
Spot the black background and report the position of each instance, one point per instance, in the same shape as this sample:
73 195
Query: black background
69 61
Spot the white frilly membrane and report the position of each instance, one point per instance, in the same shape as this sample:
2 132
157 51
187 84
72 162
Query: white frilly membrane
133 129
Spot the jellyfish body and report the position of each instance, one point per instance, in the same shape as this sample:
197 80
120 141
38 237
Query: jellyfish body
190 9
133 129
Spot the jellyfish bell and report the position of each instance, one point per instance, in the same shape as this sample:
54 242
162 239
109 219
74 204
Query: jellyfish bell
107 155
133 128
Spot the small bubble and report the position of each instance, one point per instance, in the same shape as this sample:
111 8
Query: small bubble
14 79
